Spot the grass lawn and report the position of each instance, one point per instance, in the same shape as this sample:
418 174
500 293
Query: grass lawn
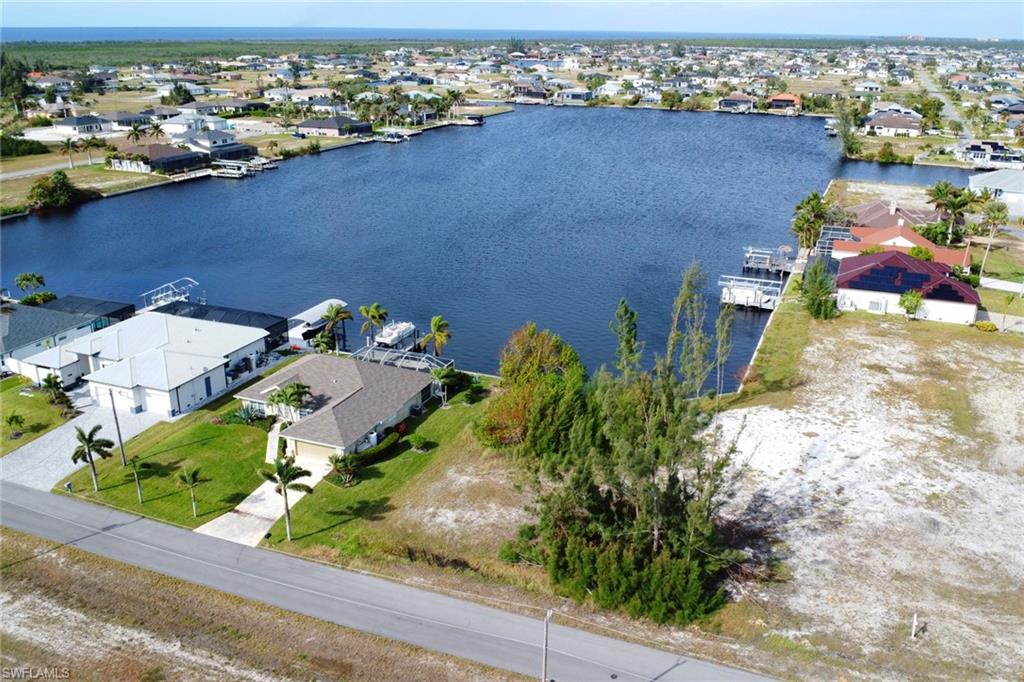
1002 263
361 520
994 301
39 415
94 178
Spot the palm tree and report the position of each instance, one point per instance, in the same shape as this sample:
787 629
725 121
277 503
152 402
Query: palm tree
69 147
336 314
89 448
439 334
808 217
444 377
957 205
1008 300
996 214
29 280
290 399
939 195
136 133
323 342
52 386
156 130
375 316
284 477
134 462
91 143
456 97
14 422
189 478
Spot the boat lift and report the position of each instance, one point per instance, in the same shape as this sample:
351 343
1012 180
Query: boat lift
751 292
776 261
178 290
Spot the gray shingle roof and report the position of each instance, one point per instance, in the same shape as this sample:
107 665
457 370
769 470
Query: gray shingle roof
22 325
349 397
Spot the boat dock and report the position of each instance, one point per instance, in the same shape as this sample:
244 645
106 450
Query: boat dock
751 292
775 261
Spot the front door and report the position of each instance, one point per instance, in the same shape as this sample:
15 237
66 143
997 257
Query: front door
209 387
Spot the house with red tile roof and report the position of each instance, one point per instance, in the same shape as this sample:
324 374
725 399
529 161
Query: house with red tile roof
875 282
899 238
785 100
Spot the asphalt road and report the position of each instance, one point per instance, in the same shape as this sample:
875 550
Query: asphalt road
461 628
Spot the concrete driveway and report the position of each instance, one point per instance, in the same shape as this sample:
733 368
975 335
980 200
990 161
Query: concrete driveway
252 519
44 462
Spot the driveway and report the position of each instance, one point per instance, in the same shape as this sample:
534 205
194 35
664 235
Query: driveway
1002 285
252 519
45 461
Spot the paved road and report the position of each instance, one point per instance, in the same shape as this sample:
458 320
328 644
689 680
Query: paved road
45 461
948 110
426 619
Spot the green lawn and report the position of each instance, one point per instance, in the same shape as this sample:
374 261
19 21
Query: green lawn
39 415
994 301
357 521
1002 263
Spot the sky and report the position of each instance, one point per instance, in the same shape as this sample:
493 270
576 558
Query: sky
934 18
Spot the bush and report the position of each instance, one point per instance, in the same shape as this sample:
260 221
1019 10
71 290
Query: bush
920 253
19 146
986 326
53 191
12 210
418 442
817 292
911 302
376 453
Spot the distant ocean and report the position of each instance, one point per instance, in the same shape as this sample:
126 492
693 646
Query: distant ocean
83 34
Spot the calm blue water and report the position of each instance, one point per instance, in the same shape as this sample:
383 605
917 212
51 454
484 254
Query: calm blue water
546 214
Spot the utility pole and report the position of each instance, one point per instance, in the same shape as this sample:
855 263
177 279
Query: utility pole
544 662
117 427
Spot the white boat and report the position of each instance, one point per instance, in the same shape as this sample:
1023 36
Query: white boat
400 335
392 137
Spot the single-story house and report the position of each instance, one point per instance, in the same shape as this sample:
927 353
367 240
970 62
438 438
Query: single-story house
1007 185
574 95
124 120
165 363
275 325
80 125
335 126
103 313
785 101
875 282
990 153
737 101
160 113
900 238
352 404
883 214
165 158
26 330
893 124
867 87
193 89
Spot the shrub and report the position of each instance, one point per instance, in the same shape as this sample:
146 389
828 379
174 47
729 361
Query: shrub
53 191
817 292
418 442
986 326
376 453
12 210
911 302
874 248
19 146
920 253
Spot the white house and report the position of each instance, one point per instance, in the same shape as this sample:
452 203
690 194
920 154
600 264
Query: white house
167 364
1006 184
193 89
875 282
81 125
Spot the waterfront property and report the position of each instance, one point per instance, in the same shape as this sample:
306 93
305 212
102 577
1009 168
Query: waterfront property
28 330
165 363
875 282
335 126
1006 185
900 238
352 403
275 325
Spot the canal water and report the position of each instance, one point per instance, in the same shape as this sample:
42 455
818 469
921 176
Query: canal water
545 214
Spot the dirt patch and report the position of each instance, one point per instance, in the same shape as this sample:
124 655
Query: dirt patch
892 493
852 192
63 608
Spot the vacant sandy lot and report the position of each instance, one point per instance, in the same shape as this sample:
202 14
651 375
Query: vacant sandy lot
894 487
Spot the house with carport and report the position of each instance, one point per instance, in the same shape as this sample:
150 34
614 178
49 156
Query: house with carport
352 405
